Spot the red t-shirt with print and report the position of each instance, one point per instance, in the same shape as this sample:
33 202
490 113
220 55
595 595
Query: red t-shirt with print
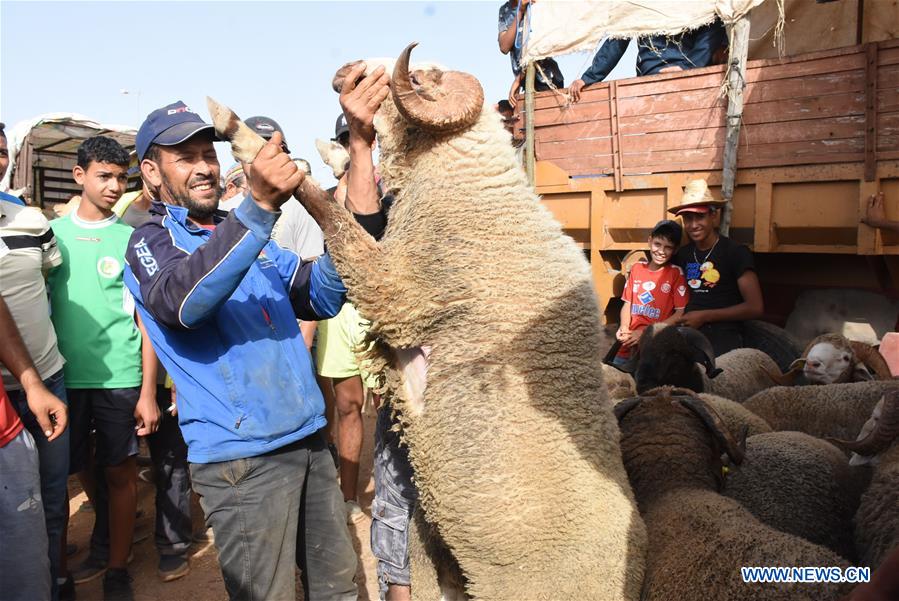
10 424
654 295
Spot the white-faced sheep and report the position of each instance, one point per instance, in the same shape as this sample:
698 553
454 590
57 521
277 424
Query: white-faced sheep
798 484
509 428
833 410
877 518
334 156
671 442
834 359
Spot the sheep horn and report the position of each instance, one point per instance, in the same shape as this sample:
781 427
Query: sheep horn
787 378
621 409
716 426
882 434
872 359
703 352
457 103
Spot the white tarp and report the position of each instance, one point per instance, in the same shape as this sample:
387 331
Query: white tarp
561 26
57 127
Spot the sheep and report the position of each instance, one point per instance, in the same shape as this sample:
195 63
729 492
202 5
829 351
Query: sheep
834 359
619 384
744 372
834 410
506 418
738 419
877 518
671 443
334 156
669 356
798 484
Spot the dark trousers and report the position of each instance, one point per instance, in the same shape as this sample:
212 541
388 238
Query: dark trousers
724 335
169 454
275 512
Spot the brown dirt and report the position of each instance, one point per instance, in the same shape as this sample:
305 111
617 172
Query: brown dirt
204 582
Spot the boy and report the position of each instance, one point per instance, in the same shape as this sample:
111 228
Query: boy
720 273
110 370
655 291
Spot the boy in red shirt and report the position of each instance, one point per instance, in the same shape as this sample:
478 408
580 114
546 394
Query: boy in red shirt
655 291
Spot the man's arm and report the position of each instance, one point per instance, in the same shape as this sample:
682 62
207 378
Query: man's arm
752 306
182 289
506 37
51 413
360 102
147 411
875 214
605 60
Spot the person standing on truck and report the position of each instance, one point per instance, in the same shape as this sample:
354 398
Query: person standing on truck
724 288
511 29
655 54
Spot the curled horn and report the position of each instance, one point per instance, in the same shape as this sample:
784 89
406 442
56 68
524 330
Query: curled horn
703 352
872 359
881 434
621 409
788 378
715 425
455 102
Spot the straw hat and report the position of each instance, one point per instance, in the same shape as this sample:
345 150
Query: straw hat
697 199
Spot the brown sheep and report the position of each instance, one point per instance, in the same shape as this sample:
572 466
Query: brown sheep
671 442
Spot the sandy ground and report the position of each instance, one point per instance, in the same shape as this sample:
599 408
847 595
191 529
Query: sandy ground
204 582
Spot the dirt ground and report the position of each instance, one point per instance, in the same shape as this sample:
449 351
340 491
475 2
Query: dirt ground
204 582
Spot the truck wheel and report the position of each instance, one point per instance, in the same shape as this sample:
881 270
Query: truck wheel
776 342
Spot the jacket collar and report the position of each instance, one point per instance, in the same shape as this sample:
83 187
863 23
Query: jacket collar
179 214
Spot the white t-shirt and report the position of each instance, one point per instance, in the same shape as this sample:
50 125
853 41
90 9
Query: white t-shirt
27 246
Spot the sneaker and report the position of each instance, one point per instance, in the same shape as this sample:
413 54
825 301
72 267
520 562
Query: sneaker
172 567
90 569
354 513
117 586
67 589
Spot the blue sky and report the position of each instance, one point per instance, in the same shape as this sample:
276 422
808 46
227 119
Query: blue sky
270 58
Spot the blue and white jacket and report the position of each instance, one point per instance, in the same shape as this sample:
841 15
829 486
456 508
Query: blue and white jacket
220 308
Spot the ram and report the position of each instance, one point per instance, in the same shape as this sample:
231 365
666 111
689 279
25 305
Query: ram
506 417
834 359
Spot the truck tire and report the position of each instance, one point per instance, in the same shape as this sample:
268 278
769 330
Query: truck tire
776 342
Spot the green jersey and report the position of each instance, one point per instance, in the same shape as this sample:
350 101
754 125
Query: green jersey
92 311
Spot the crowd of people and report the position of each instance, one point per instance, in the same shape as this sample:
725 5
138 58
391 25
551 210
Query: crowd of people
148 321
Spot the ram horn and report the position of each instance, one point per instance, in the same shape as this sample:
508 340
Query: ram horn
877 434
872 359
621 409
453 103
703 353
715 425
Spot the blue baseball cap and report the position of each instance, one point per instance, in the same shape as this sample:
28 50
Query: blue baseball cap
169 126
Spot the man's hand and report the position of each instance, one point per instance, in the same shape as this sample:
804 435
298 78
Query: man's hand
694 319
274 176
574 90
875 215
671 69
360 101
513 91
51 413
147 414
173 409
632 338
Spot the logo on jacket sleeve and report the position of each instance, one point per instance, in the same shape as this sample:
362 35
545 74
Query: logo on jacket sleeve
145 255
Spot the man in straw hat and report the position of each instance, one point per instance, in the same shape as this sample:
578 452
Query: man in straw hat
724 288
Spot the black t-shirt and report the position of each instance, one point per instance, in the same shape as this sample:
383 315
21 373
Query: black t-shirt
375 223
712 274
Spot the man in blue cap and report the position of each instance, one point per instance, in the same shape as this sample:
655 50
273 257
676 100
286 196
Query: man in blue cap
220 303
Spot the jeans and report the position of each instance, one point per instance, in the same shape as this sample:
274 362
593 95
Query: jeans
392 507
54 467
24 565
169 454
276 511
